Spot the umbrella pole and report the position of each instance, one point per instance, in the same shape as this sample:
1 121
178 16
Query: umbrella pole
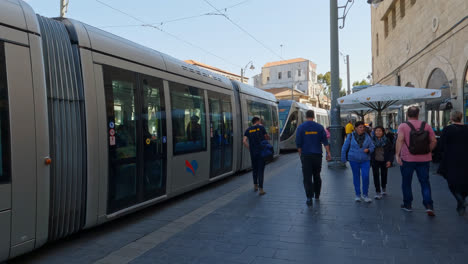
379 118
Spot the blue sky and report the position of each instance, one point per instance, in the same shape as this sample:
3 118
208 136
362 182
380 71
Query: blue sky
301 26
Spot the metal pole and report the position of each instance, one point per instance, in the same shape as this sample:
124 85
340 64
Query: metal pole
242 75
63 7
347 69
292 92
336 138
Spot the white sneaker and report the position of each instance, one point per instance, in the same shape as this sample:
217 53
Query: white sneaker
378 196
357 199
367 199
383 192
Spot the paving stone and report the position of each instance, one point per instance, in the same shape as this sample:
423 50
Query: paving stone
277 228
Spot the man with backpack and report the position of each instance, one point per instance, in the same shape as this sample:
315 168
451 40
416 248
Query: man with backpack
309 139
253 138
414 145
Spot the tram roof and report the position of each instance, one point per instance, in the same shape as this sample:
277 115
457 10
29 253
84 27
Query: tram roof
20 15
108 43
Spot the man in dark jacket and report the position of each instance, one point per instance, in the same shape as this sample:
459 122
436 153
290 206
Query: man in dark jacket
253 138
309 139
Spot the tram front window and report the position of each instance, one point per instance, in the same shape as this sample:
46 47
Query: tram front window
283 109
290 127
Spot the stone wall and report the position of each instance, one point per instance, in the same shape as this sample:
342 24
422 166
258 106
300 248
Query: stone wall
411 38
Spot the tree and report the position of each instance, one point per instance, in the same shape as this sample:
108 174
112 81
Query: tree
342 93
363 82
325 80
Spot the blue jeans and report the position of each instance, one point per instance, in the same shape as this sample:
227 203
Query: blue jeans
258 167
360 169
422 170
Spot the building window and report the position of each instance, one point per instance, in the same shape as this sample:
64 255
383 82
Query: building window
393 17
299 73
377 44
268 78
386 26
279 75
402 8
289 74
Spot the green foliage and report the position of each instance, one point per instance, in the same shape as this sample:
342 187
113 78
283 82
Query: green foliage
342 93
325 79
358 83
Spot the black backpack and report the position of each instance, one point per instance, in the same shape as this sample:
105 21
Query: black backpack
419 142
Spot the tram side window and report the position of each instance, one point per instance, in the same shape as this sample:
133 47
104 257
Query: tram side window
261 111
188 118
4 121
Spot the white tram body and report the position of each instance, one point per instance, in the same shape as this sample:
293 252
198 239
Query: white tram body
291 115
123 125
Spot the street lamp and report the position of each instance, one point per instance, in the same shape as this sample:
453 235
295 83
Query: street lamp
252 67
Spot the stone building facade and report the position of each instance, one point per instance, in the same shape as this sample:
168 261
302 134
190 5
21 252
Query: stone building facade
298 73
423 43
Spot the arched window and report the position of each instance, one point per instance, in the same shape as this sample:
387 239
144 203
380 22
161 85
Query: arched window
437 118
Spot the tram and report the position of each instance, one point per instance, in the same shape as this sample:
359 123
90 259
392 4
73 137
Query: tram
94 126
291 115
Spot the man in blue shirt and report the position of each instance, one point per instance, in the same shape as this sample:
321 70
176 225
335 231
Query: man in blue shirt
309 139
253 137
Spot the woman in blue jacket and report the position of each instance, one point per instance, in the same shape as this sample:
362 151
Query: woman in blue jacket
357 150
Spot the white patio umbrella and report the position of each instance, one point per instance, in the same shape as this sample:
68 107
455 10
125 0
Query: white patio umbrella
379 97
359 111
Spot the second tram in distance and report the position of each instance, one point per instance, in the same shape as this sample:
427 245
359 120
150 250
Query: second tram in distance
291 115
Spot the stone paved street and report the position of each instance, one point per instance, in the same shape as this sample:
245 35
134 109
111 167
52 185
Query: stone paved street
228 223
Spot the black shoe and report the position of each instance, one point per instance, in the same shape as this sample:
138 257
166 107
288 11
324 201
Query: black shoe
309 201
407 208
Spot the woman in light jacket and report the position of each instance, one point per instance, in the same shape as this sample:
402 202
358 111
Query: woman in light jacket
357 150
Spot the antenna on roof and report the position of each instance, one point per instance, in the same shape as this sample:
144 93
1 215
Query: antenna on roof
63 7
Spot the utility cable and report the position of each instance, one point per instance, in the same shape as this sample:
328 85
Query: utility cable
180 18
243 30
170 34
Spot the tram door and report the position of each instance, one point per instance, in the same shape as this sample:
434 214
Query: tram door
221 133
137 137
5 178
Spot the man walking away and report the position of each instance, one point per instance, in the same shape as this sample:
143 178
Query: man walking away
415 141
255 135
309 139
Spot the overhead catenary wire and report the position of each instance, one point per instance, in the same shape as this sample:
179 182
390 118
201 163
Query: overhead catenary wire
168 33
180 18
243 30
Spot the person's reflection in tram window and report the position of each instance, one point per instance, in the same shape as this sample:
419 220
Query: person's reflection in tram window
194 129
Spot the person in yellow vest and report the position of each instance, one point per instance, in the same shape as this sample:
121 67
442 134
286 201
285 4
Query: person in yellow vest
349 128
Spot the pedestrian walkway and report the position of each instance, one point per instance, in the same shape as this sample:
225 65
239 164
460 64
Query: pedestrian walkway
228 223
